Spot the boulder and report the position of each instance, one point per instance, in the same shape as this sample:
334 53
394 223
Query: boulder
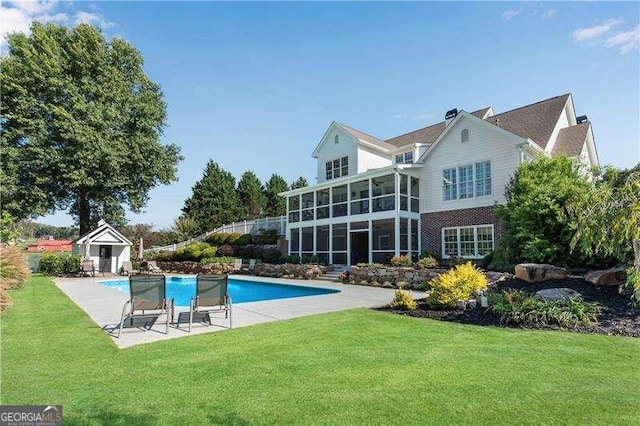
557 294
608 277
537 272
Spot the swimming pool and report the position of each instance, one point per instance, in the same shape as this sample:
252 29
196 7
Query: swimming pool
182 289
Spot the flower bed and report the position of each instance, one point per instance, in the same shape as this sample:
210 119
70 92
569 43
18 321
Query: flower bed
287 270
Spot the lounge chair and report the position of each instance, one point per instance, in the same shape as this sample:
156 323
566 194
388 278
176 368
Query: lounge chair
88 268
211 296
127 268
152 267
147 301
251 266
237 265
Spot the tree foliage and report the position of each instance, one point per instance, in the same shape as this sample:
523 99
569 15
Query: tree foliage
276 205
301 182
214 201
608 218
81 124
537 226
251 195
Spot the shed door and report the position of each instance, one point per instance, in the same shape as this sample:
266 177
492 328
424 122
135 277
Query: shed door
105 259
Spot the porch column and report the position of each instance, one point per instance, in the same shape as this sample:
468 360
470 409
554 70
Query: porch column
396 221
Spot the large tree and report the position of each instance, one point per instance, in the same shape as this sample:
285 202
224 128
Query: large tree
301 182
536 224
276 205
251 195
81 124
214 201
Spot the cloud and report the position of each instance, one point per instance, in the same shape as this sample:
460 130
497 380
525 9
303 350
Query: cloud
625 41
17 16
92 18
550 13
583 34
511 13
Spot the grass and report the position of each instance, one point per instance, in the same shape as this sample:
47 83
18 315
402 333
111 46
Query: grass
358 366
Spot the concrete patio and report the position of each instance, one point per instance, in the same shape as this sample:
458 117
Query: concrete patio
104 306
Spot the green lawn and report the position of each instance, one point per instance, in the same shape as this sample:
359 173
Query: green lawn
358 366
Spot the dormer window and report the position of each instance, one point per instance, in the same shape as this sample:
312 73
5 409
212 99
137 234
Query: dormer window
405 158
464 137
336 139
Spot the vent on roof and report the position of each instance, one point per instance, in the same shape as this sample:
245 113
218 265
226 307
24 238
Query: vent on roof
582 119
451 114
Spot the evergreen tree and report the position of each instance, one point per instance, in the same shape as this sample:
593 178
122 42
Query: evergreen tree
214 201
251 195
276 205
81 126
301 182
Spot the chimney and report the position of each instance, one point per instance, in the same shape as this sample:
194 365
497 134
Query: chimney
582 119
498 122
450 115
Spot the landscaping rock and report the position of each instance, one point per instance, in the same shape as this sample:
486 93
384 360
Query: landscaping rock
609 277
538 272
557 294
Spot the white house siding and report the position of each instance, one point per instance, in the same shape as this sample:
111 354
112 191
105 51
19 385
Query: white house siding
329 151
367 160
485 144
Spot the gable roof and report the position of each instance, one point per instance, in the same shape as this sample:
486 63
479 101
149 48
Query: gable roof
571 140
367 138
535 121
429 134
106 234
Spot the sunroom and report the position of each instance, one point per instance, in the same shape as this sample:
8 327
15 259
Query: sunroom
365 218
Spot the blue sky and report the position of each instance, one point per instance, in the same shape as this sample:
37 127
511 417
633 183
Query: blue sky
255 85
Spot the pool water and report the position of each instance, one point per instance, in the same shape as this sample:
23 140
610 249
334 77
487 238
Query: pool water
182 289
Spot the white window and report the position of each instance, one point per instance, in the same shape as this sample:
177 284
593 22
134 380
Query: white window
468 181
337 168
483 178
464 136
405 158
465 182
467 241
449 185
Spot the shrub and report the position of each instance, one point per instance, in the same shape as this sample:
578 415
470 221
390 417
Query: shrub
244 240
71 264
51 264
310 259
267 237
517 307
293 258
164 256
14 273
632 285
428 262
457 284
210 260
402 260
270 255
225 250
216 239
403 300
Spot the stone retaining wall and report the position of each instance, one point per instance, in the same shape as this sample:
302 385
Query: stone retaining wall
406 277
286 270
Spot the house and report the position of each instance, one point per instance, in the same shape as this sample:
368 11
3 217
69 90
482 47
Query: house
50 245
435 188
107 247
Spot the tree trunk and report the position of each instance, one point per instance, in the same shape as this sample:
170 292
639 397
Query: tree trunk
84 212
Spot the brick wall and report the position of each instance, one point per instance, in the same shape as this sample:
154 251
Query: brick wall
432 224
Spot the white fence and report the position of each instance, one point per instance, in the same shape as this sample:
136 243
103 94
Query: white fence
252 227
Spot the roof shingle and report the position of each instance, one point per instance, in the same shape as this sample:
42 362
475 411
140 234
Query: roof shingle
571 140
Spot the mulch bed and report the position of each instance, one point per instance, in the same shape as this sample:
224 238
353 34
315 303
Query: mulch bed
617 317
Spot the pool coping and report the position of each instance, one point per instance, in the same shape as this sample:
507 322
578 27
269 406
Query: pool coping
104 305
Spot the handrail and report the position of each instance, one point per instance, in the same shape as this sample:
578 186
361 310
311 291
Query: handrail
245 227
